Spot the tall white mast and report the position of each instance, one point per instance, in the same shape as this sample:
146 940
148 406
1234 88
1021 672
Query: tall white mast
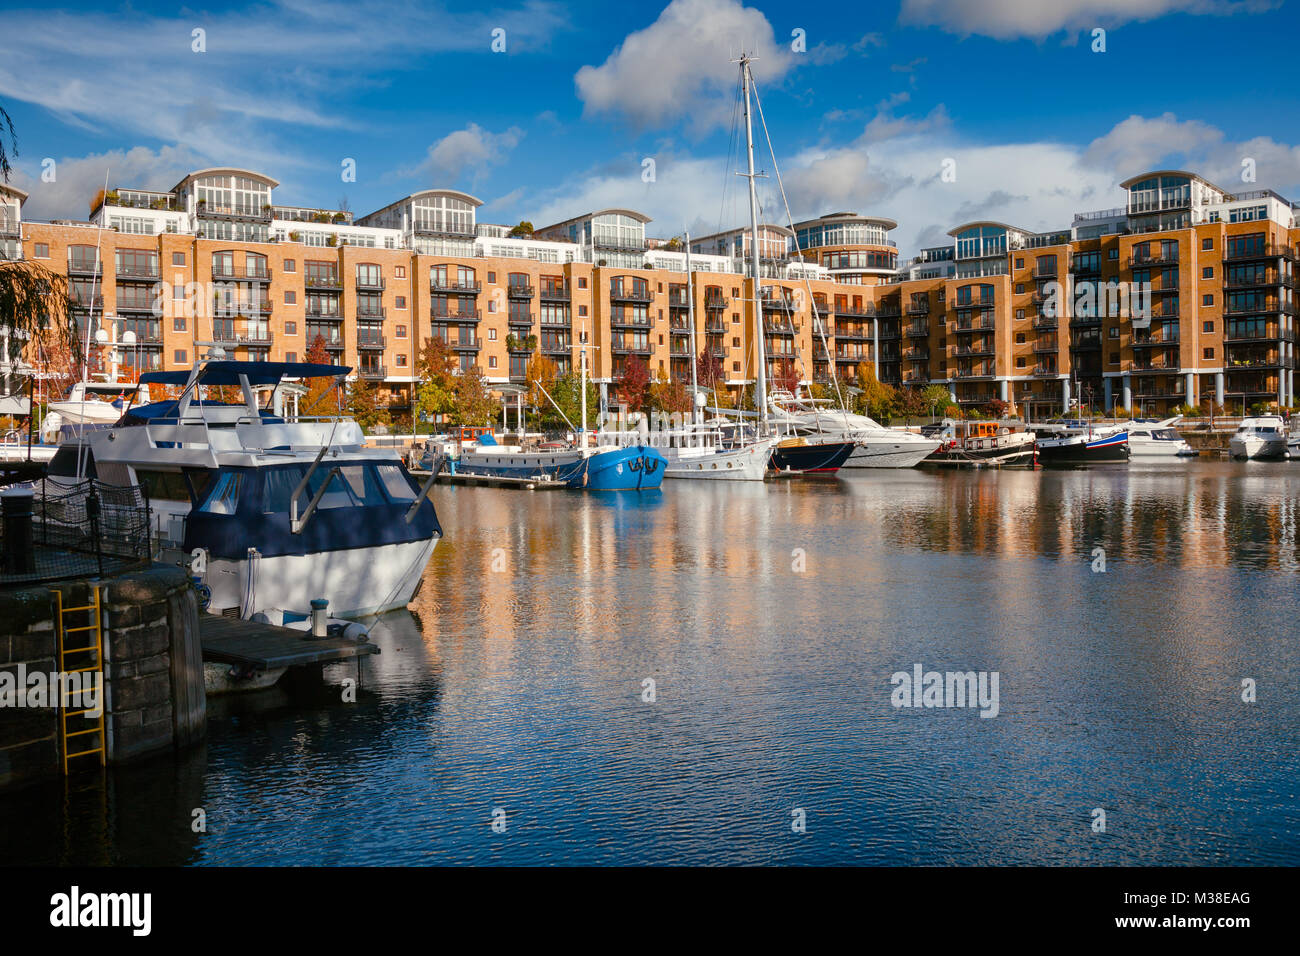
760 397
690 312
582 395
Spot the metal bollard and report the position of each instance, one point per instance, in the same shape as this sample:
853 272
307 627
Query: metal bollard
19 554
319 617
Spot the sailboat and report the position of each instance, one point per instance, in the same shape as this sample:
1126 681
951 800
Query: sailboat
794 452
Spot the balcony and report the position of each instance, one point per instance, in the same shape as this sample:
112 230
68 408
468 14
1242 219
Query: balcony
975 348
629 322
371 343
971 324
916 355
778 304
779 326
557 348
1084 321
679 328
918 308
713 301
916 378
524 321
1046 345
136 305
1260 279
678 301
1262 360
554 293
885 311
1043 271
330 343
1242 252
618 245
1043 370
458 315
519 291
1155 337
1153 259
851 333
1266 306
1045 321
918 330
643 349
1267 333
715 327
977 371
366 283
371 314
139 273
449 286
1154 365
1085 266
262 274
854 310
467 344
553 321
630 294
210 210
10 228
255 337
373 373
323 283
323 315
888 332
83 267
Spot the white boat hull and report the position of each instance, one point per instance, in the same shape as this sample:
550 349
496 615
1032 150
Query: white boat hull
1254 447
357 582
1159 450
714 464
87 413
883 453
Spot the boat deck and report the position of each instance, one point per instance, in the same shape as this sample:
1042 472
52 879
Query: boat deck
228 640
531 484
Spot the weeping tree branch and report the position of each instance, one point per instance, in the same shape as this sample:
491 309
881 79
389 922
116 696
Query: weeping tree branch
7 123
34 304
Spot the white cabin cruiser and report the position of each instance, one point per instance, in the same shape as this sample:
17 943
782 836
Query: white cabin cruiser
877 446
1261 437
1157 441
271 513
93 403
703 452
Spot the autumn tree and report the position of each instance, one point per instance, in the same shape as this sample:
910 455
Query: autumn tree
634 384
541 373
911 404
668 396
366 405
876 398
436 366
708 370
323 392
474 404
786 377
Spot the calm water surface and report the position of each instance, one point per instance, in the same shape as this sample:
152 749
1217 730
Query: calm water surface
516 682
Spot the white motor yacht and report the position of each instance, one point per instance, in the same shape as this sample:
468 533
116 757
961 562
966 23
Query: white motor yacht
877 446
1263 436
1157 441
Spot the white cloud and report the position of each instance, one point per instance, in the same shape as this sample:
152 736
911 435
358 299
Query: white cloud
78 179
472 148
680 65
1007 19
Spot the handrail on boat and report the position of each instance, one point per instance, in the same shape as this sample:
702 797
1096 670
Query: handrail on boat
295 525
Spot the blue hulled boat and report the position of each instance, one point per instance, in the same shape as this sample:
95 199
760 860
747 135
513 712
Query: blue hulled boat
604 468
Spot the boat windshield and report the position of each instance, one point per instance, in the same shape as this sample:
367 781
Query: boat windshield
1165 434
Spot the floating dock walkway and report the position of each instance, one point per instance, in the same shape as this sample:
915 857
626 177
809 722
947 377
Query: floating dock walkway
228 640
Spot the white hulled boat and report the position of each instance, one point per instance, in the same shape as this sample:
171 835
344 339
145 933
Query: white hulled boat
1157 441
1263 436
876 445
270 513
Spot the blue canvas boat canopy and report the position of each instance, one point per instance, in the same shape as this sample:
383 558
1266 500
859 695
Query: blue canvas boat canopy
258 373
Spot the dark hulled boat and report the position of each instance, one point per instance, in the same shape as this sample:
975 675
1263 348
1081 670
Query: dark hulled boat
798 456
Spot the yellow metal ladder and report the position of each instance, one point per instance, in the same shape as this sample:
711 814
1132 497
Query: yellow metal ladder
88 656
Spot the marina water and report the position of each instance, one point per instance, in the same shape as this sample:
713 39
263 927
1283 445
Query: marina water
1121 608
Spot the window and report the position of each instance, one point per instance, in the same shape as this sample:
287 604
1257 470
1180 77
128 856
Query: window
1207 272
1113 254
1207 353
290 265
1207 244
1113 359
178 258
290 297
41 250
399 301
582 282
399 272
1020 338
291 356
224 495
1207 299
1020 263
1207 326
582 310
735 342
401 361
180 356
492 277
1020 313
1020 288
735 366
291 328
178 325
1020 362
492 361
401 331
492 335
1114 332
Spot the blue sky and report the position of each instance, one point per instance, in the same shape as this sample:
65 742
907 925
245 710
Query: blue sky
1038 123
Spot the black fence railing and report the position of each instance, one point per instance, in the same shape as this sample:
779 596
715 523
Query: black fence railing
73 529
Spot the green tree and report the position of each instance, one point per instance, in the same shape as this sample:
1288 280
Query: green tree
366 406
525 228
567 392
936 398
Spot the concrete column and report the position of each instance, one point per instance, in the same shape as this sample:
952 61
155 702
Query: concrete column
952 390
1002 389
1126 381
1106 387
1065 397
1218 388
1189 390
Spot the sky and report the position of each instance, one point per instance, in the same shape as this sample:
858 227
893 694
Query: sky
546 110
